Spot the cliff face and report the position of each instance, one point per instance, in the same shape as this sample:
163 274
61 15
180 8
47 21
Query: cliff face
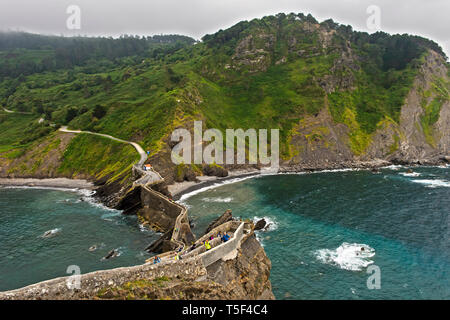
321 142
246 276
415 139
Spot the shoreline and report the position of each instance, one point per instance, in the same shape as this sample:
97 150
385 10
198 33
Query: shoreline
187 187
179 189
59 183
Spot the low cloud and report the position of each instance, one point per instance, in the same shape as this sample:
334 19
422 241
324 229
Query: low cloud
199 17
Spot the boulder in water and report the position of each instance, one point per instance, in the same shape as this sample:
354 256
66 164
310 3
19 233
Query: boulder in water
260 224
113 253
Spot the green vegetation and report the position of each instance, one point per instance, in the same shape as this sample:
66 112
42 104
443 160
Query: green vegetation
439 94
99 157
142 289
13 130
265 73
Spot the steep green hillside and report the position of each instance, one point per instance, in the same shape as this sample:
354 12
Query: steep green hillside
265 73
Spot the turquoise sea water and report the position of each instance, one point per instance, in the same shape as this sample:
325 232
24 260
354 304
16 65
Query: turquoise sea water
320 221
77 223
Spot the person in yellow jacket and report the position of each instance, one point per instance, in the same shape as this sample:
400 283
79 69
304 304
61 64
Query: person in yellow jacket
207 245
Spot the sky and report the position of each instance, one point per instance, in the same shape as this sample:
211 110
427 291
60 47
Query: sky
195 18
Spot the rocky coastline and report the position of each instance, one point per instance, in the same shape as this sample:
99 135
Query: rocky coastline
178 189
63 183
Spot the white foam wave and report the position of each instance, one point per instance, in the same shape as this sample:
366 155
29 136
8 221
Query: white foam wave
260 239
410 174
82 191
186 196
146 229
348 256
338 170
110 214
86 195
393 167
433 183
50 233
218 199
271 224
319 171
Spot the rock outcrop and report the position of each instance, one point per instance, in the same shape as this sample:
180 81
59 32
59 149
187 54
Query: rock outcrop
260 224
245 277
225 217
163 244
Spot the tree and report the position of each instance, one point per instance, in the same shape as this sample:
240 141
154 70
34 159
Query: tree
71 113
99 111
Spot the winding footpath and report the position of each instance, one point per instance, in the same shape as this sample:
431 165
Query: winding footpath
138 148
146 178
11 111
194 261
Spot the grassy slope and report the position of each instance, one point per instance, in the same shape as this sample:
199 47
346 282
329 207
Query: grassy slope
99 157
12 130
146 100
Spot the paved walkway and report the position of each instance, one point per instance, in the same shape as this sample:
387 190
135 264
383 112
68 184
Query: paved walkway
10 111
138 148
146 177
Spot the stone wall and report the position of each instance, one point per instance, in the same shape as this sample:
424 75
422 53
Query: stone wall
157 211
225 251
92 283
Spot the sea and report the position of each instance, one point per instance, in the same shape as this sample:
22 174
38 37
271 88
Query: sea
333 234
